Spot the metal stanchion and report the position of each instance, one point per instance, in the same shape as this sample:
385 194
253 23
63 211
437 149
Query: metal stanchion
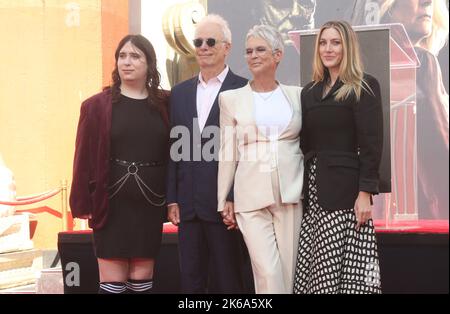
64 205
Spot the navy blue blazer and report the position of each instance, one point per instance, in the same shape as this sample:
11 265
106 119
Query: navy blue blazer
192 183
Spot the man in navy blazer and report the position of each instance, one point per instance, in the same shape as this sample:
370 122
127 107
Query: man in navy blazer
205 245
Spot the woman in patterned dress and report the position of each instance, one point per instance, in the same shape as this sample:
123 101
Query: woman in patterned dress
342 138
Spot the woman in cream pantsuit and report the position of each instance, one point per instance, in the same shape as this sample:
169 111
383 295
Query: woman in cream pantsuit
260 158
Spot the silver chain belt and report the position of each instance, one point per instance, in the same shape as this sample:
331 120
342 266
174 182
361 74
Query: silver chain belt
132 170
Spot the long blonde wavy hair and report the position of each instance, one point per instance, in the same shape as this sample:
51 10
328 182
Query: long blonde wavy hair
439 33
351 70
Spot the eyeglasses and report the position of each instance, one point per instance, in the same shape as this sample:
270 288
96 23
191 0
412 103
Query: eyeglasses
211 42
259 51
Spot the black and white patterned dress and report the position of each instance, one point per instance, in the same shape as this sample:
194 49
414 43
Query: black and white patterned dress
333 257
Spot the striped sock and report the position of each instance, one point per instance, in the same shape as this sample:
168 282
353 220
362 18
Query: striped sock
139 286
112 288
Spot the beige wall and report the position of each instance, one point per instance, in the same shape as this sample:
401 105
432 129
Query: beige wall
114 28
56 53
51 60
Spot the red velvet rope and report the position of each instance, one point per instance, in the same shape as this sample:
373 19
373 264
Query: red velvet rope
27 200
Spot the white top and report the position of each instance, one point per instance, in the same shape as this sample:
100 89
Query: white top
207 94
273 113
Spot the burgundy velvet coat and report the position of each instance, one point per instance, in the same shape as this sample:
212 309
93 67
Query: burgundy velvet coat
89 190
91 162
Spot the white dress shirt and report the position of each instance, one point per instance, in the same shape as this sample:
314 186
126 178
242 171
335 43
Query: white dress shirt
207 94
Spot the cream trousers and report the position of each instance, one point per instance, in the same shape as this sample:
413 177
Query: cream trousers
271 235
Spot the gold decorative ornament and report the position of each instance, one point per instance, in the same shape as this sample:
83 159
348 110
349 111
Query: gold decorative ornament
179 23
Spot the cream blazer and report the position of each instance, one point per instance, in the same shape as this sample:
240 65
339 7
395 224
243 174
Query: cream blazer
247 157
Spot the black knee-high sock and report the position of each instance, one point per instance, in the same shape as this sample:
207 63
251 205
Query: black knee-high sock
112 288
139 286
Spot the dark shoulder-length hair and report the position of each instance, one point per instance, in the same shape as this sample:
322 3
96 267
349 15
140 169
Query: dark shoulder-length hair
157 97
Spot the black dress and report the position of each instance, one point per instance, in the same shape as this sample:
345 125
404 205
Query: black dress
136 193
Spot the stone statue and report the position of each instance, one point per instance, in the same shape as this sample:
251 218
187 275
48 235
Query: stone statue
7 190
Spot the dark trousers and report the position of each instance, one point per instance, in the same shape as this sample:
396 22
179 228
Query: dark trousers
213 259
